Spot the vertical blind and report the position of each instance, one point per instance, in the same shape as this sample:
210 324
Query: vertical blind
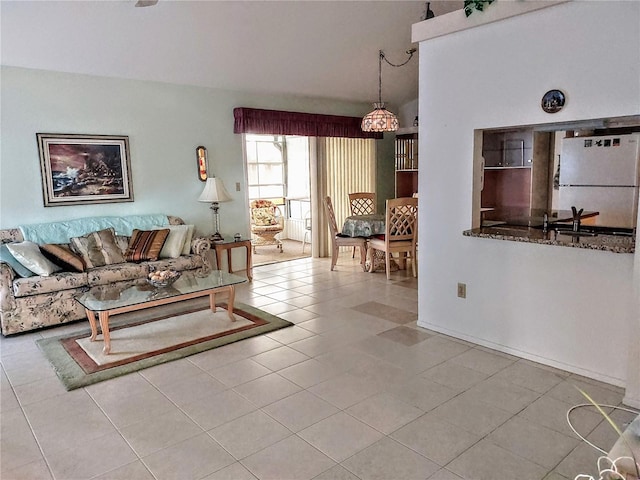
349 167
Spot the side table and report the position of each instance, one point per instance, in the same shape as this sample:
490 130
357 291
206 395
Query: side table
227 245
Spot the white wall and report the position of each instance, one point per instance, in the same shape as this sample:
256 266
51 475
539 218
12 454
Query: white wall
568 307
165 123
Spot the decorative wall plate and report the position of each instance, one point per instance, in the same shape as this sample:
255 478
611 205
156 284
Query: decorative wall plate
552 101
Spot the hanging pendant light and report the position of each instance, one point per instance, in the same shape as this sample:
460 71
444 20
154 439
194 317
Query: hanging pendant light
381 119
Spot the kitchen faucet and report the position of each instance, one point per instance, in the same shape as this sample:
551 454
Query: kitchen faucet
576 218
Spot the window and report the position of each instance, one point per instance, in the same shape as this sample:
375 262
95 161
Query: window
266 163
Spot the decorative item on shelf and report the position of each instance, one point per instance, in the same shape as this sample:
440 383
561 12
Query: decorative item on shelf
163 278
552 101
237 237
471 5
215 193
381 119
427 13
201 158
415 121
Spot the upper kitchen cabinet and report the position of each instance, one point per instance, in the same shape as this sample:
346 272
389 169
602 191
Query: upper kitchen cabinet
516 175
406 162
508 149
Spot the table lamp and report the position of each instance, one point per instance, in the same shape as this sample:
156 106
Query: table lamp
215 193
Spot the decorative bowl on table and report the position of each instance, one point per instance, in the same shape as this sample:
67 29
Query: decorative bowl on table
163 278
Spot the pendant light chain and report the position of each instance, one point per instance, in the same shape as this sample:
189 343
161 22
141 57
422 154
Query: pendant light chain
381 119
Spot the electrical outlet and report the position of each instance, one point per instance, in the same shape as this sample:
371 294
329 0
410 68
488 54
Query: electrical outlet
237 186
462 290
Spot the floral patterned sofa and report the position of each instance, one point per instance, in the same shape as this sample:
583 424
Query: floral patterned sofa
30 303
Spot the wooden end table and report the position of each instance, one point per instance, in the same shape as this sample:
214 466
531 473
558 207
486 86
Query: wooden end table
228 245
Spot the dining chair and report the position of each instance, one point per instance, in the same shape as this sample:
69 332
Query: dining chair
362 203
401 226
338 240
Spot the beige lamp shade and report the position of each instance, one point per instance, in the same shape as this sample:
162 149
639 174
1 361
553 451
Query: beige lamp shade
214 191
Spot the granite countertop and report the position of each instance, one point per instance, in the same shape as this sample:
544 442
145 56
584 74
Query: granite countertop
525 217
604 242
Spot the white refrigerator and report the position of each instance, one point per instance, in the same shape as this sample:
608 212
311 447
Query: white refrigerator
601 173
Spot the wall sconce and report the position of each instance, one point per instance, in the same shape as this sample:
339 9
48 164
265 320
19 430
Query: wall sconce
201 157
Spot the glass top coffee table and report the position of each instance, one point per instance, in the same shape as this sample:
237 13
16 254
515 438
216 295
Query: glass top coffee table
107 300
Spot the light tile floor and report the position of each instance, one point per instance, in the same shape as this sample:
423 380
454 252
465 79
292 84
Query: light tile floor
355 390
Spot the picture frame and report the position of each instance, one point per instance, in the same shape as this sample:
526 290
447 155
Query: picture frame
84 169
201 158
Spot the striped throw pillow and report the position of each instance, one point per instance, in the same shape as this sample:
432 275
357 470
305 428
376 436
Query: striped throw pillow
97 248
145 245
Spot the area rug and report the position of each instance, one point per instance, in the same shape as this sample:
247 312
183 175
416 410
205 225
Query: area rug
150 337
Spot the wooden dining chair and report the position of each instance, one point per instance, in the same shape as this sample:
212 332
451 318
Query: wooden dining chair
338 240
362 203
401 226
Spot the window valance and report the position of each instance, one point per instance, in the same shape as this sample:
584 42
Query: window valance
275 122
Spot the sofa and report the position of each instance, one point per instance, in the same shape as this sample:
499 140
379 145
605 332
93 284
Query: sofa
37 301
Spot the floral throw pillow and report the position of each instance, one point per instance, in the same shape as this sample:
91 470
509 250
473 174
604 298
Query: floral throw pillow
264 216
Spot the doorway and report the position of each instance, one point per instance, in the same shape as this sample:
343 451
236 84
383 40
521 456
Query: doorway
278 169
295 173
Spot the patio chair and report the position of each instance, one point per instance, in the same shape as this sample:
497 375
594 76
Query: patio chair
307 230
401 226
338 240
266 222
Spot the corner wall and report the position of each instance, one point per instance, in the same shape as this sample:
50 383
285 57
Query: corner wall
567 307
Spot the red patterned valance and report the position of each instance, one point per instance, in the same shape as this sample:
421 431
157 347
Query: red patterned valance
275 122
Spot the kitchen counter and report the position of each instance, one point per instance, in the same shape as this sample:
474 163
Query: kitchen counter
515 233
524 217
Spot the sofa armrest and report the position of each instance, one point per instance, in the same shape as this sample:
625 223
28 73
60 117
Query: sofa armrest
7 299
201 246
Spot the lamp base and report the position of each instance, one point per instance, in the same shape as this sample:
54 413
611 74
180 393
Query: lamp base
216 237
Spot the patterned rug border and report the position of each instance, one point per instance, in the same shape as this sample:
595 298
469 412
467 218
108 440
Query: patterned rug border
72 374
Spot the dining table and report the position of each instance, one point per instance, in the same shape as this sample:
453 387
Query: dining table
368 226
364 225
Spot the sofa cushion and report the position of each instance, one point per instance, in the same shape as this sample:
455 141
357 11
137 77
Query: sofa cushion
174 243
98 248
6 257
146 245
183 262
117 273
30 256
62 256
24 287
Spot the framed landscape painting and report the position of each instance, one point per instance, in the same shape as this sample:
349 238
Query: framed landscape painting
83 169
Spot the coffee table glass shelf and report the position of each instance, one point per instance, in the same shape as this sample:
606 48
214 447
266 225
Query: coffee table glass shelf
107 300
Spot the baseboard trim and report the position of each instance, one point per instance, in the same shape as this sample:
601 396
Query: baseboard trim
618 382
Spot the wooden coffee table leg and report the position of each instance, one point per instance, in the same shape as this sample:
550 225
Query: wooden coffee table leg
232 297
212 301
104 325
92 323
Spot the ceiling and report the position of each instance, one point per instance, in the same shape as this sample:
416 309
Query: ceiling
326 49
